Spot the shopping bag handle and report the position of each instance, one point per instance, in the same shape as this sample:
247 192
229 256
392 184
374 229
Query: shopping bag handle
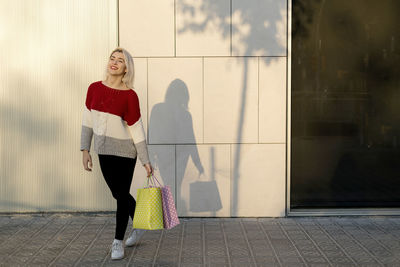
155 179
151 182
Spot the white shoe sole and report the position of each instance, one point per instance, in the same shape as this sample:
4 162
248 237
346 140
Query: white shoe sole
117 258
138 237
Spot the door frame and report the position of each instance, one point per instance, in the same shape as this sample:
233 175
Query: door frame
313 212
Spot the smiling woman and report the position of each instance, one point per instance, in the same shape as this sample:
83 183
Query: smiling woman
118 59
112 117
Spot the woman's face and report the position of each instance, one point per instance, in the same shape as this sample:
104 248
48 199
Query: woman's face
116 64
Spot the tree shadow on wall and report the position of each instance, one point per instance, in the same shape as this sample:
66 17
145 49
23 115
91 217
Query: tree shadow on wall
256 28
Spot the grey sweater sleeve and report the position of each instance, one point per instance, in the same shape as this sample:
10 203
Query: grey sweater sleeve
86 138
142 152
87 130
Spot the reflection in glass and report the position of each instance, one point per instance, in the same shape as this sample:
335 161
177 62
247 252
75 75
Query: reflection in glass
345 121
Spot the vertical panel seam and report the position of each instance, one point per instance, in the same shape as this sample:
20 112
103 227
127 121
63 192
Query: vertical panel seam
258 99
203 141
230 180
287 146
118 41
176 188
147 90
230 27
174 28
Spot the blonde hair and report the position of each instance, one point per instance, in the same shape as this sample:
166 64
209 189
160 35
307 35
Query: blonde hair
129 76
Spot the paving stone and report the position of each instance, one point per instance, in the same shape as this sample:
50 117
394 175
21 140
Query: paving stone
69 239
291 260
291 265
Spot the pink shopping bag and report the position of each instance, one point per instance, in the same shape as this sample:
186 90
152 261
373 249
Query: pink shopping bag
170 215
169 212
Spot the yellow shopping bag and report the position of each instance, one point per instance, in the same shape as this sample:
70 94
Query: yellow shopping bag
148 212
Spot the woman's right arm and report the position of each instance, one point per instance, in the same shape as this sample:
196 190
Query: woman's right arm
87 133
87 160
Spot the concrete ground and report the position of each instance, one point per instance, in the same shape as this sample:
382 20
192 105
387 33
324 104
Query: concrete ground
85 240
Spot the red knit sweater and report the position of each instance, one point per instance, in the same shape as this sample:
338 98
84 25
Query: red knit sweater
113 117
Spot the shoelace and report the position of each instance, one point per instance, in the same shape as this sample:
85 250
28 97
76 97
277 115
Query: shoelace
134 234
117 246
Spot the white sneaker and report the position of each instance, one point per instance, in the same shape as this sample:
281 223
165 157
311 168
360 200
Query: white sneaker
117 250
134 237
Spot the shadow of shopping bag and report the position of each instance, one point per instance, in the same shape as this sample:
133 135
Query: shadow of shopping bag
204 196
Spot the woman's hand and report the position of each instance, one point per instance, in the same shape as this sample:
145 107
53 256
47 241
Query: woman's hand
87 160
149 169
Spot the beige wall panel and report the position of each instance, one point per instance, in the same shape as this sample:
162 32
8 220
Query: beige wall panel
175 101
203 29
259 27
146 27
203 180
53 50
272 90
141 87
258 180
230 100
162 158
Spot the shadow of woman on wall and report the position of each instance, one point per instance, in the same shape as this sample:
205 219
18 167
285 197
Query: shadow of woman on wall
171 123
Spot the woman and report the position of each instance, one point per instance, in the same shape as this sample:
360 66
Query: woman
112 116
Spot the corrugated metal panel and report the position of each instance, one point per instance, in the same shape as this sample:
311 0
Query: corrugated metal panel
50 51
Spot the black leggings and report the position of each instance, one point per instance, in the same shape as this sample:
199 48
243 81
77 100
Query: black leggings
118 173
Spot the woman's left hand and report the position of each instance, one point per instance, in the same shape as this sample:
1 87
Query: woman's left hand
149 169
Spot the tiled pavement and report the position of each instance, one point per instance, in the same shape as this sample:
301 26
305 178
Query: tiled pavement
85 239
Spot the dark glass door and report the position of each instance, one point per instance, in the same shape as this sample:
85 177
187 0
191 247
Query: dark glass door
345 121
